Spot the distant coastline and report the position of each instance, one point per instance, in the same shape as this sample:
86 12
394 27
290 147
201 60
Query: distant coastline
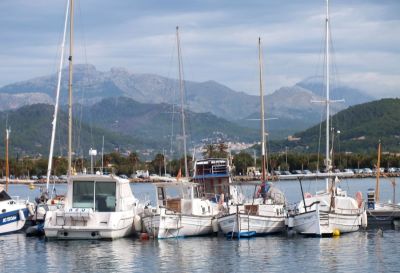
243 178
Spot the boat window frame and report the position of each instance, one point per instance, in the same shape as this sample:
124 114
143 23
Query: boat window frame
94 205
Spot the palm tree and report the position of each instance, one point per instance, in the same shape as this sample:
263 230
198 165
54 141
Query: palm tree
209 151
133 159
222 150
159 162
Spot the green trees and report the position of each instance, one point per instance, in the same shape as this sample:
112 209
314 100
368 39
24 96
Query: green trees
128 164
219 150
242 161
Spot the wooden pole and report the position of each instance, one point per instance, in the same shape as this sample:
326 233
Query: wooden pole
378 173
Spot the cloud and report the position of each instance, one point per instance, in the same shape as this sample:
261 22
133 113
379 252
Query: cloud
218 38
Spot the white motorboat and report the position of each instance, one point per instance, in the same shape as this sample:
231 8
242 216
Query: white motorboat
331 211
180 212
96 207
13 213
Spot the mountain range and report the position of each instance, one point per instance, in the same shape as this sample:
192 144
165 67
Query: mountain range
126 125
290 105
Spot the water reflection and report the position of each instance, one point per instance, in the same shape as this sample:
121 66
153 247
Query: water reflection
355 252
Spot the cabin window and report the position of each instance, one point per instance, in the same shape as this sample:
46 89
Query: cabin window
4 196
83 194
105 197
100 196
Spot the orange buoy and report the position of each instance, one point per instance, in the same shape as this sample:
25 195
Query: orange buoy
144 236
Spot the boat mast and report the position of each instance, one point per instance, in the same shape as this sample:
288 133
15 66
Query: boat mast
71 40
7 165
102 156
54 123
378 173
181 88
262 112
327 159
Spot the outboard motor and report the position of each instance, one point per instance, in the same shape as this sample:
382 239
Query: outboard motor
371 199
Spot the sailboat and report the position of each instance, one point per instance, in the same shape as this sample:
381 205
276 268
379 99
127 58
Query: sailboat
330 211
181 210
13 212
378 212
265 213
96 206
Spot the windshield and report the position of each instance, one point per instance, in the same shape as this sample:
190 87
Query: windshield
100 196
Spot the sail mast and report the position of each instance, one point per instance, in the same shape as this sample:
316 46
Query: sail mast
181 88
54 123
263 157
7 165
71 40
378 173
327 159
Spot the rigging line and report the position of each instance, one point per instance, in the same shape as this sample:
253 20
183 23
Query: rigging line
174 84
166 95
321 60
54 122
82 88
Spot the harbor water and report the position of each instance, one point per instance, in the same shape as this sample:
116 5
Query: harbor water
364 251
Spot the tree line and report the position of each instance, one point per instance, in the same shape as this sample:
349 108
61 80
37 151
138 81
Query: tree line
160 164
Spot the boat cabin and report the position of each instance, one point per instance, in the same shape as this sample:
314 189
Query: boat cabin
213 176
101 193
181 197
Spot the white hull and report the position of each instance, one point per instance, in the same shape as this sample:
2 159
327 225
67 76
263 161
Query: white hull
115 226
12 221
324 224
176 225
261 225
107 213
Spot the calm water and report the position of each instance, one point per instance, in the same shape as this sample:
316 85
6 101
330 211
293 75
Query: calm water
364 251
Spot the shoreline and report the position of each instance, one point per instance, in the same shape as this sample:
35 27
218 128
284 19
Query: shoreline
245 178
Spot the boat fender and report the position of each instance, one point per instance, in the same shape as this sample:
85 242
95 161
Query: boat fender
137 223
40 212
30 209
21 215
364 219
336 232
221 199
214 223
359 199
307 195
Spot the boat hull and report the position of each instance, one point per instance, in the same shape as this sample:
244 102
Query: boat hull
255 225
99 226
12 221
176 225
324 224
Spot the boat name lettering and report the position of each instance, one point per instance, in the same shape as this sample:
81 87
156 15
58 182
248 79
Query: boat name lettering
10 218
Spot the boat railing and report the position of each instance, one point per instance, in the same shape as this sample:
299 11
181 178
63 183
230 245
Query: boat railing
349 211
17 199
104 170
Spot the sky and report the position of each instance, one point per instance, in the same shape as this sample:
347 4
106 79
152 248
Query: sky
218 40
